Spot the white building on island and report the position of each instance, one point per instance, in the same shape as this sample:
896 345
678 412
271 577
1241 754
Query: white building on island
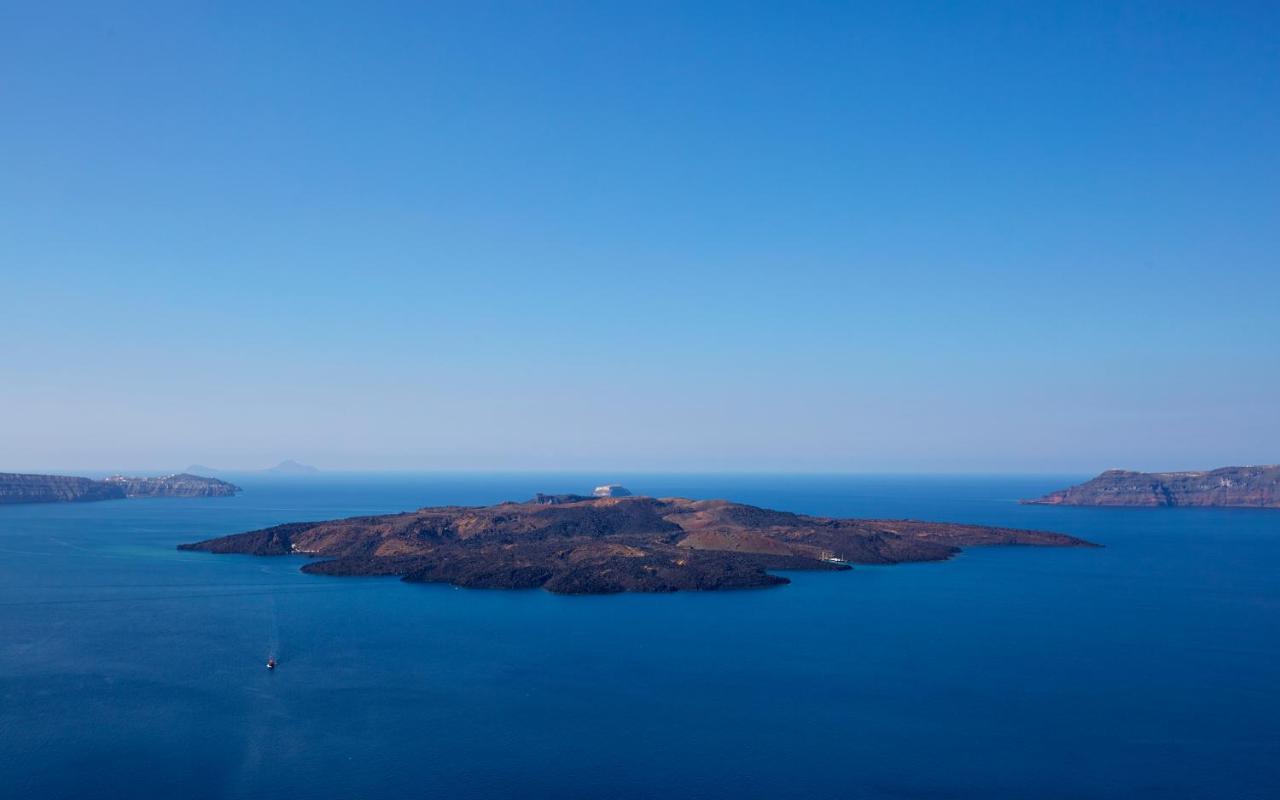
611 490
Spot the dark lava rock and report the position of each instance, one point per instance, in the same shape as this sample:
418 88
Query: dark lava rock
577 545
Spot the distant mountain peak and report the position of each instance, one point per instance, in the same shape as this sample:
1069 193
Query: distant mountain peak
291 467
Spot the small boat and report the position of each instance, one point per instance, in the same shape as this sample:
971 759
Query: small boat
271 663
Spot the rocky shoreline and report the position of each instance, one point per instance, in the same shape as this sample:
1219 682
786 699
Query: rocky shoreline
581 545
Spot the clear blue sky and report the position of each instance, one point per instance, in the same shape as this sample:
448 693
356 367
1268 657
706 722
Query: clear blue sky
880 237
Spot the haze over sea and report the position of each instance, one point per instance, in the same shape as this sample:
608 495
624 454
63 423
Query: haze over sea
1146 669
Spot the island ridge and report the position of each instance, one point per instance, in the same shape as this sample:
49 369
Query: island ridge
1242 487
23 488
593 545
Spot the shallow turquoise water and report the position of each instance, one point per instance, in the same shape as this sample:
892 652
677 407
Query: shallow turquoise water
1148 669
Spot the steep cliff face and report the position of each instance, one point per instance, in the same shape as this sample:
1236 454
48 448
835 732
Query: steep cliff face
1251 487
180 485
17 488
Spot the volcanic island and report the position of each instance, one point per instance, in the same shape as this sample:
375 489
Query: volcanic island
1230 487
573 544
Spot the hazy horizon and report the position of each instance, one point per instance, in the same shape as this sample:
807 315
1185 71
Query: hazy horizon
596 475
871 238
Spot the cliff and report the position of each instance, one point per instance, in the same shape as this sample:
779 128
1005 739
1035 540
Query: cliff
18 488
181 485
1251 487
579 545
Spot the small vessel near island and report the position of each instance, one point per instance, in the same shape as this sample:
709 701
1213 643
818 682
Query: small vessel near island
271 663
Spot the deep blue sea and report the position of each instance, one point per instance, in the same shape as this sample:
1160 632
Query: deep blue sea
1148 669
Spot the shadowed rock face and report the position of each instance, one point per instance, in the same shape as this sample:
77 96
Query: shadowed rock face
1254 487
18 488
180 485
579 545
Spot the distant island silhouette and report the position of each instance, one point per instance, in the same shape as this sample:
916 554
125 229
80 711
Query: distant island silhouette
1241 487
26 488
286 467
291 467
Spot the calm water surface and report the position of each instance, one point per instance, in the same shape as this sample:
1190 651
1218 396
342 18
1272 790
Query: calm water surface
1148 669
